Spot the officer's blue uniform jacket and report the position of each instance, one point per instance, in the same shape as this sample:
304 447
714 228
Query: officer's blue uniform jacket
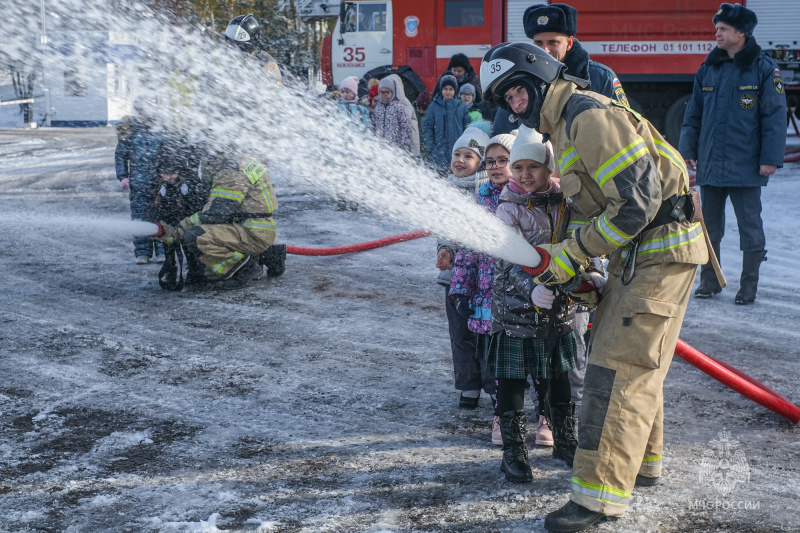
603 79
135 159
736 119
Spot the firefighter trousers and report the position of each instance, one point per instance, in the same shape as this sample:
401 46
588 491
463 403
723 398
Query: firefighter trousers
220 247
621 424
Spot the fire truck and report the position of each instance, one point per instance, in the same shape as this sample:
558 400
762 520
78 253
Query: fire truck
654 47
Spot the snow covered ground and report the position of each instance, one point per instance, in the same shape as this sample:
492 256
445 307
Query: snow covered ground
321 400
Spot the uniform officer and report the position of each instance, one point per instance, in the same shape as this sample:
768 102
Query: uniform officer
734 133
553 28
629 188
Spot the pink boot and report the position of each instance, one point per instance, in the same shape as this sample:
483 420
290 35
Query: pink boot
544 437
497 437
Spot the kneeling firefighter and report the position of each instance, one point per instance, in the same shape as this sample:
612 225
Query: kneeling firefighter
630 191
234 232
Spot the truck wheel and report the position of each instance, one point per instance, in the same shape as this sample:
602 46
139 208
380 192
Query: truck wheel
674 118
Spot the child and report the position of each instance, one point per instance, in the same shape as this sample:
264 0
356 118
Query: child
421 104
445 120
348 102
531 325
471 285
391 121
138 138
470 377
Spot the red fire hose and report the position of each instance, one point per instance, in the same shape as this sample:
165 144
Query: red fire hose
739 381
296 250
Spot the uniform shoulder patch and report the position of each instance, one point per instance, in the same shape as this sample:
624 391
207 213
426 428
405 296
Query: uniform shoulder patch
778 84
254 171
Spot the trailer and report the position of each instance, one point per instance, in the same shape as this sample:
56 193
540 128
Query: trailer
655 48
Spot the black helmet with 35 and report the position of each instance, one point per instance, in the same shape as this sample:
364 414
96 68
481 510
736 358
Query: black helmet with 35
510 65
245 31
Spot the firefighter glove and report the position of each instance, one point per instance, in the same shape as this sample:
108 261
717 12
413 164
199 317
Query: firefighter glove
168 234
591 297
560 262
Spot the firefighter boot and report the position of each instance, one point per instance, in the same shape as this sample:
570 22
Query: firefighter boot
565 437
572 517
709 285
246 271
274 259
515 455
748 283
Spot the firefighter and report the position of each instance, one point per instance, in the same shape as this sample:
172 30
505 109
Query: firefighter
629 188
245 32
553 28
233 229
734 132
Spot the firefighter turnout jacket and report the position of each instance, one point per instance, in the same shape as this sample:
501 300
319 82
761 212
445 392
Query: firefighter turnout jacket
618 179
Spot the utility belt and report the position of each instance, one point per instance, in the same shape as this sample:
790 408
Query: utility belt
673 209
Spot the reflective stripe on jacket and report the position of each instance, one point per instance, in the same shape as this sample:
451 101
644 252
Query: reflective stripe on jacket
617 168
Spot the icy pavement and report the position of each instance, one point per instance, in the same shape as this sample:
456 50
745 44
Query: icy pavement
321 400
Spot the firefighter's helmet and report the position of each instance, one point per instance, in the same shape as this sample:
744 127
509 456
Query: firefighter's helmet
245 31
523 64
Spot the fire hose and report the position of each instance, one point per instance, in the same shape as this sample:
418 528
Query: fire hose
719 370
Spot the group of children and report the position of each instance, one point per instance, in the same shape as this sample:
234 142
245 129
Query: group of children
504 329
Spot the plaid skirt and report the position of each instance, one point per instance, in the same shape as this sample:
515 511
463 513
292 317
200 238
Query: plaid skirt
515 358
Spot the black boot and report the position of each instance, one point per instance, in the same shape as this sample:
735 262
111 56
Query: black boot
748 284
709 285
564 425
515 454
247 270
572 517
274 259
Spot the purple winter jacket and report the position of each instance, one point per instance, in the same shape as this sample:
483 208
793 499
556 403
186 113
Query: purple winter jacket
473 272
392 122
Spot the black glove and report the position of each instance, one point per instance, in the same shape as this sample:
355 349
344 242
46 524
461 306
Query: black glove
461 304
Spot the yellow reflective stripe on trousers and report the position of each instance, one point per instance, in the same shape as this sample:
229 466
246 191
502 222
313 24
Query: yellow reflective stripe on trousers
219 267
670 153
612 234
651 459
228 194
259 224
668 242
564 262
567 159
620 161
601 492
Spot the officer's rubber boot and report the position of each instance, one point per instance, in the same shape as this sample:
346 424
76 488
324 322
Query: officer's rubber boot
565 435
572 517
748 283
247 270
515 463
274 258
709 285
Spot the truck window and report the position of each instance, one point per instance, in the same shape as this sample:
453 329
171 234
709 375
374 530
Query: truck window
463 13
372 17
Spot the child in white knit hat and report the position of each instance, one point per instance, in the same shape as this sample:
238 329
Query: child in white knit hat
531 330
471 281
470 376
